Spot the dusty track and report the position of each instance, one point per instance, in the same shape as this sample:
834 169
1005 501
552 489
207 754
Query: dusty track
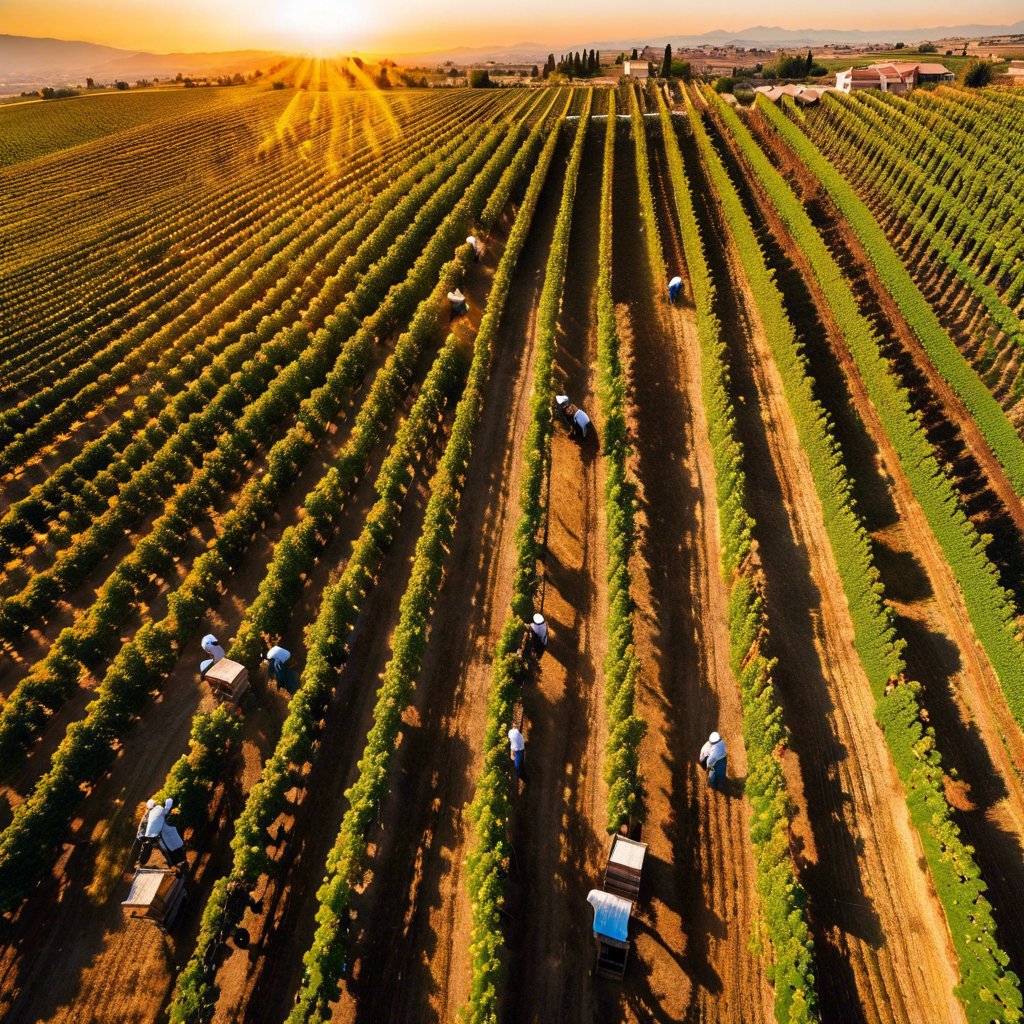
882 946
411 961
557 825
693 960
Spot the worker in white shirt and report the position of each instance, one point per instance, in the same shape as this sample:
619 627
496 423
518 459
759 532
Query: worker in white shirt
539 634
458 303
475 246
156 830
580 422
214 650
712 760
517 747
674 287
277 659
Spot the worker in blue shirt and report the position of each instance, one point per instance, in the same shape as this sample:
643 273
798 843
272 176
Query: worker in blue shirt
674 287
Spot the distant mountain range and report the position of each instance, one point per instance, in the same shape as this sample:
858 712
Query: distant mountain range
29 62
762 36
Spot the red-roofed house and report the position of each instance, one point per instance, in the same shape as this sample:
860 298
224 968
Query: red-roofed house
893 76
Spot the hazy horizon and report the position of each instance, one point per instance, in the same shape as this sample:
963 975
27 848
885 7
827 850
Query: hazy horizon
197 25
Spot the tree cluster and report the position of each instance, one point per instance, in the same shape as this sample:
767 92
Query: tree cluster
574 65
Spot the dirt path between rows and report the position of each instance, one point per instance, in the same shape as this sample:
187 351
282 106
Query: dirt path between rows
411 955
693 958
882 943
557 825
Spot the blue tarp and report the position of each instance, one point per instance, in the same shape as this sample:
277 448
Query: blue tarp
611 915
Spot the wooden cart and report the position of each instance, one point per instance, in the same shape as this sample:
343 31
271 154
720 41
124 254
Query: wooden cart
625 865
228 679
156 895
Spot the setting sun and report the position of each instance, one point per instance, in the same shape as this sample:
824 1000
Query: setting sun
318 28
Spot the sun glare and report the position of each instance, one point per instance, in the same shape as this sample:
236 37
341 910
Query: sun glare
318 28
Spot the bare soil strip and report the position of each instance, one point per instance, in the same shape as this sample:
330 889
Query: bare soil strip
693 958
557 826
411 955
881 939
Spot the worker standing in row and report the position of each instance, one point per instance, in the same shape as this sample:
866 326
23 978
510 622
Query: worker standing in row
517 749
674 287
474 244
539 634
578 419
713 761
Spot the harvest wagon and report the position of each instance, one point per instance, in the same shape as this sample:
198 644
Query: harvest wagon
156 895
228 679
613 906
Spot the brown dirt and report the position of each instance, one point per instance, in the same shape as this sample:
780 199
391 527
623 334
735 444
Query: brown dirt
557 826
693 959
882 944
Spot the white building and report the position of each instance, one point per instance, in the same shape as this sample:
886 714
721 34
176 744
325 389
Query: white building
635 68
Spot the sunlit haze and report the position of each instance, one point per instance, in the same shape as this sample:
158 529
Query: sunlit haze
382 25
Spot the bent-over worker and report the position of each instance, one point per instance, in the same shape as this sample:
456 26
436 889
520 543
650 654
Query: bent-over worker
475 246
580 422
539 633
712 759
156 830
517 747
674 287
214 650
459 304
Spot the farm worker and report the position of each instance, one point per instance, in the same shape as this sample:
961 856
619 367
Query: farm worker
474 245
580 422
171 843
673 289
712 758
277 659
562 404
517 746
213 649
459 304
539 631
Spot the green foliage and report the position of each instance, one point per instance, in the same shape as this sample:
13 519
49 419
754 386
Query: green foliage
985 980
479 78
141 664
622 666
978 74
783 901
326 638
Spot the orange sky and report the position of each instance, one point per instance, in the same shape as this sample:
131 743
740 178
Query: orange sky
407 25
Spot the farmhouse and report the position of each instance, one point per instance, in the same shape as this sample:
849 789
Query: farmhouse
635 69
892 76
